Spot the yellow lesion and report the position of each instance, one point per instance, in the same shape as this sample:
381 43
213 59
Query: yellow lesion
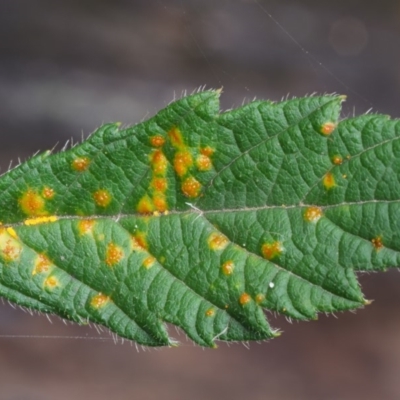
160 202
148 262
10 247
216 241
337 160
81 164
48 193
157 141
42 264
191 187
210 312
12 233
313 214
40 220
377 243
228 267
272 250
158 162
329 181
32 203
260 298
159 184
86 226
51 282
139 242
114 254
244 299
175 136
145 205
203 162
102 197
183 161
99 300
328 127
207 151
155 199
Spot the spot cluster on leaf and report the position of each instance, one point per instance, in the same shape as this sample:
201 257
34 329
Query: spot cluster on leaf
205 219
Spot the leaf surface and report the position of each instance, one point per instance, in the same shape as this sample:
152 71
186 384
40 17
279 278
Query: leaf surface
205 219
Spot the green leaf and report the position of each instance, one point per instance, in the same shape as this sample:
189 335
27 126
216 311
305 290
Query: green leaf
205 219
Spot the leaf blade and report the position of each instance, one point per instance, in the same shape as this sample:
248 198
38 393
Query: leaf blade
203 219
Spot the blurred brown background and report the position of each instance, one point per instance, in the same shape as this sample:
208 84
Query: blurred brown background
68 66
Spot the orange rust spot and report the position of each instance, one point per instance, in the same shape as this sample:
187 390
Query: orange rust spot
203 163
51 282
337 160
80 164
139 242
100 300
228 267
260 298
149 262
329 181
377 243
210 312
328 128
160 203
271 250
175 136
102 197
145 205
191 187
114 254
32 203
48 193
159 184
207 151
159 162
216 241
312 214
157 141
182 162
244 299
42 264
86 226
